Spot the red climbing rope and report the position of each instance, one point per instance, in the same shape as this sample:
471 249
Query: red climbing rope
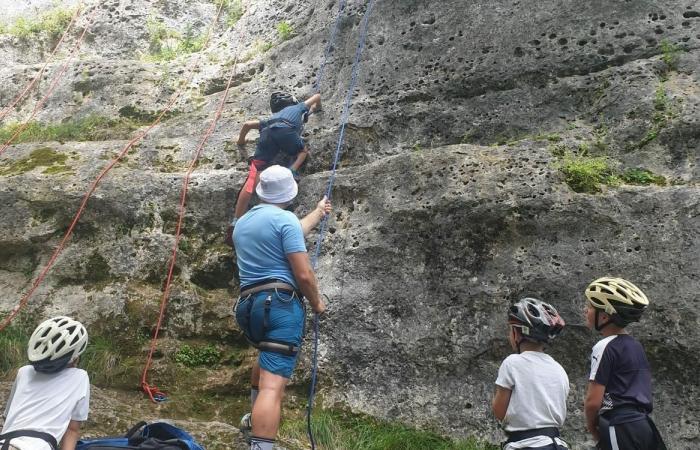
56 79
152 391
31 84
175 96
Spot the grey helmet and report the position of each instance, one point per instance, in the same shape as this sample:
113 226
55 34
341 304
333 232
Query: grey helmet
280 100
538 321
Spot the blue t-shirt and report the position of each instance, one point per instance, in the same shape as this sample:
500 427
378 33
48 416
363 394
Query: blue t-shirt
293 115
619 363
263 238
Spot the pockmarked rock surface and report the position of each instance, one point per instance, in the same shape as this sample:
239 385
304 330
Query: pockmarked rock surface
450 201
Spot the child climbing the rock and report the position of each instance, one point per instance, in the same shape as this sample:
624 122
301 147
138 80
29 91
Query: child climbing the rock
531 388
50 396
618 400
279 134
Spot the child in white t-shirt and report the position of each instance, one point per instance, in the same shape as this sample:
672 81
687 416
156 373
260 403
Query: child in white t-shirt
50 397
531 388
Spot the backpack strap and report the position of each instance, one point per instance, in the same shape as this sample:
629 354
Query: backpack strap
135 429
46 437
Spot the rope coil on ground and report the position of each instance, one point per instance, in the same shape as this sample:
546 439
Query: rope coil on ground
329 190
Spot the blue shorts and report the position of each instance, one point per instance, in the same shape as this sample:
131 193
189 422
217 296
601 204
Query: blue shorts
276 140
285 325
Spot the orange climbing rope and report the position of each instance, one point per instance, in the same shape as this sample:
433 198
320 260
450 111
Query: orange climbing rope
152 391
175 96
56 79
31 84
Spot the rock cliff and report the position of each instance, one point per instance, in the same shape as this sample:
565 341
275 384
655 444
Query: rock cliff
457 191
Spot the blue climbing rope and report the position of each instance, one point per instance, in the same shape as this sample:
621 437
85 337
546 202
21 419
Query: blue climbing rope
329 48
329 190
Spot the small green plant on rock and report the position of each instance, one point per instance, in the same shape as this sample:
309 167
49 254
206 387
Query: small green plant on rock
207 355
586 174
166 44
285 30
51 24
670 54
642 177
232 8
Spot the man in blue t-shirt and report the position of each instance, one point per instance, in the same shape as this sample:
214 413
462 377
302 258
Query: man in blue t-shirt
619 400
275 273
279 134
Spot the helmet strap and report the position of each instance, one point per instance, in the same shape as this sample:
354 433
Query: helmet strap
599 327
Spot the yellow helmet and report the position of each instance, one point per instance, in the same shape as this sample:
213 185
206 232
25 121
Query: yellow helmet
621 300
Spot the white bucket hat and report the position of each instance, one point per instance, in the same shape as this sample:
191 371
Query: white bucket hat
277 185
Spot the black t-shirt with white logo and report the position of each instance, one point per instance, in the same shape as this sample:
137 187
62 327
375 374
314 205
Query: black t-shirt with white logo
619 363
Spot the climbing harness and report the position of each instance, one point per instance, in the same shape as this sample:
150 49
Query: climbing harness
284 348
329 191
56 79
46 437
39 74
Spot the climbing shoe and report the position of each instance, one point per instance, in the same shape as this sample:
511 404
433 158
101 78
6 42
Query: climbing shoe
246 427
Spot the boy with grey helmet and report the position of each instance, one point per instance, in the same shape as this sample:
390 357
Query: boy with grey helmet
50 396
619 395
531 388
279 134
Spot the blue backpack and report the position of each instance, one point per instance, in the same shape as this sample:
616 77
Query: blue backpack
143 436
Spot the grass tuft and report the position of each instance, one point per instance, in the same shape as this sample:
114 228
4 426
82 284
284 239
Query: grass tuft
101 360
51 24
13 347
166 44
89 128
233 9
642 177
341 430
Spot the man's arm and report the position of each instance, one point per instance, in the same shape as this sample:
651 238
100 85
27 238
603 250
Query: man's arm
247 126
312 219
591 406
70 439
501 399
313 102
306 278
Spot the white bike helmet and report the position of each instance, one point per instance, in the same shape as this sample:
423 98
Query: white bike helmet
621 300
55 343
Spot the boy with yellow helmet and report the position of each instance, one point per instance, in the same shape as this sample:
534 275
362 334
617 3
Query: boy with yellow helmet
618 400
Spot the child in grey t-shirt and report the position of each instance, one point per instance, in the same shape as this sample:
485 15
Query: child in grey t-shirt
531 388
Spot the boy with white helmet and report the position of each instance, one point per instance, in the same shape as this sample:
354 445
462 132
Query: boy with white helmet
50 396
618 400
531 388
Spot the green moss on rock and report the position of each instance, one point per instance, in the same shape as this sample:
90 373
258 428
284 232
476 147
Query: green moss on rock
41 157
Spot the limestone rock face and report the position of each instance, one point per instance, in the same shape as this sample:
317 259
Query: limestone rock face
450 201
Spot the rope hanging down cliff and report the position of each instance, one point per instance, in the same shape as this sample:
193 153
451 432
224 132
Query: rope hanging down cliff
39 74
152 391
56 79
194 63
329 191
